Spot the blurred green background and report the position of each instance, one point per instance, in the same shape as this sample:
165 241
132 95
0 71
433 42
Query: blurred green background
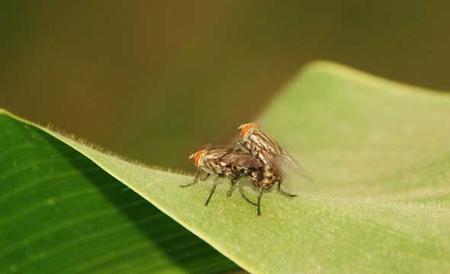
155 80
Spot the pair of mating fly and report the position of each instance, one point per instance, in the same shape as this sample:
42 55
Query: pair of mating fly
255 155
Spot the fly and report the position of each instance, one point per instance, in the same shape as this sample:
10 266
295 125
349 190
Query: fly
228 162
274 158
255 155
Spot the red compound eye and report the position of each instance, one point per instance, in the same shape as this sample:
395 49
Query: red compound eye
198 156
245 128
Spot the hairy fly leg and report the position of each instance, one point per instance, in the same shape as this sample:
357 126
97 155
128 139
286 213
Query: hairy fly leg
284 192
213 189
197 174
233 181
241 190
258 206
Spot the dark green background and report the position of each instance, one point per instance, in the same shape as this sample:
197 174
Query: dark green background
154 80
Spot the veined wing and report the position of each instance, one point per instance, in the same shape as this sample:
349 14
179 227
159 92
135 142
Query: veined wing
289 163
243 160
292 173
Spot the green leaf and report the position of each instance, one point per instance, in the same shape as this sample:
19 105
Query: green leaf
61 213
379 152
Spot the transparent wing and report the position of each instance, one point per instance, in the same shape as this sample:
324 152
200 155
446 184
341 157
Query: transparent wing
293 173
289 162
243 160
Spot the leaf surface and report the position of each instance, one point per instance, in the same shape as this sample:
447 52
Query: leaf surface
379 153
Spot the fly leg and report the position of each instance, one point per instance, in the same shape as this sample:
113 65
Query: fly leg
241 190
212 190
196 177
258 206
206 177
234 180
284 192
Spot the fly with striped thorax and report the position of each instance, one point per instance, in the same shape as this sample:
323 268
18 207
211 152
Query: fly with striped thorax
255 155
229 162
276 160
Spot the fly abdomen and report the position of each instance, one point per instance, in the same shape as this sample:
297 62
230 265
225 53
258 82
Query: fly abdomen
269 178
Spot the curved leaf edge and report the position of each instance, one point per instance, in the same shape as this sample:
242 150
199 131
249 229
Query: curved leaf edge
323 66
